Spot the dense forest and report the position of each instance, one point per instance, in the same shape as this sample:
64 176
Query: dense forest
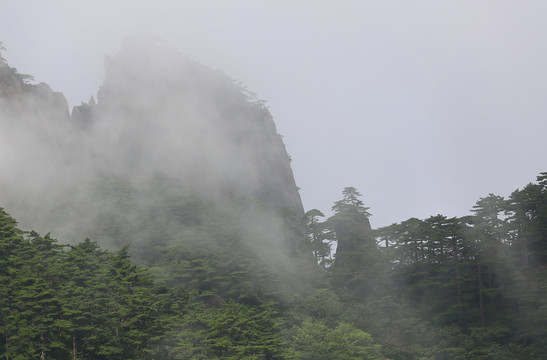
177 232
440 288
473 287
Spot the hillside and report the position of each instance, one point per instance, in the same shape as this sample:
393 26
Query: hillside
164 129
182 236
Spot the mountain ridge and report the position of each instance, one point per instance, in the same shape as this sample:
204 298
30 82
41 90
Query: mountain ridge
158 113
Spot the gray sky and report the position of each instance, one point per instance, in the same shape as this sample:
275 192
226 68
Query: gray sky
423 106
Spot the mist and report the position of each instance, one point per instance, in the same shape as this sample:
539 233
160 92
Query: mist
392 96
166 139
423 108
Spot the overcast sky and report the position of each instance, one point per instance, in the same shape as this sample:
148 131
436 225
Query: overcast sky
423 106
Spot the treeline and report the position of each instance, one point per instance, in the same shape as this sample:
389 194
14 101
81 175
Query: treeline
472 287
61 302
218 287
202 302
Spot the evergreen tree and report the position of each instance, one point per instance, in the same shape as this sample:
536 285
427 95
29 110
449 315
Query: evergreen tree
320 238
313 340
359 265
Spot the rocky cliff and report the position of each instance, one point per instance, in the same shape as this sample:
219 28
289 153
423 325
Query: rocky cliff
159 118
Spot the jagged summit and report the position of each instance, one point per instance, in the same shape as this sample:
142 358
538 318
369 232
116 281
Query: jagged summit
158 114
20 99
177 116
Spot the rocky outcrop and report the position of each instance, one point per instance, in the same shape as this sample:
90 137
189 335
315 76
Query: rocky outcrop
21 99
168 113
158 114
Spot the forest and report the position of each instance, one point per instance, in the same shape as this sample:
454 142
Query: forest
185 257
472 287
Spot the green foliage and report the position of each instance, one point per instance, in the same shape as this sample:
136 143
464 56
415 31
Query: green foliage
323 304
479 279
238 331
214 298
313 340
359 267
320 238
85 302
350 203
440 288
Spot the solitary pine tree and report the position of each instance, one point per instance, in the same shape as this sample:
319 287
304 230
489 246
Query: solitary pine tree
350 221
357 268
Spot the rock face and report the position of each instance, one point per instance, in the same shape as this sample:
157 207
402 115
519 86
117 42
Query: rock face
21 100
169 114
158 115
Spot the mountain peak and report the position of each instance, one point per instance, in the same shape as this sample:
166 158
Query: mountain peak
158 114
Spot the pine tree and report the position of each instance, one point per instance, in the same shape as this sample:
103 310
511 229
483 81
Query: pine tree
320 238
359 265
